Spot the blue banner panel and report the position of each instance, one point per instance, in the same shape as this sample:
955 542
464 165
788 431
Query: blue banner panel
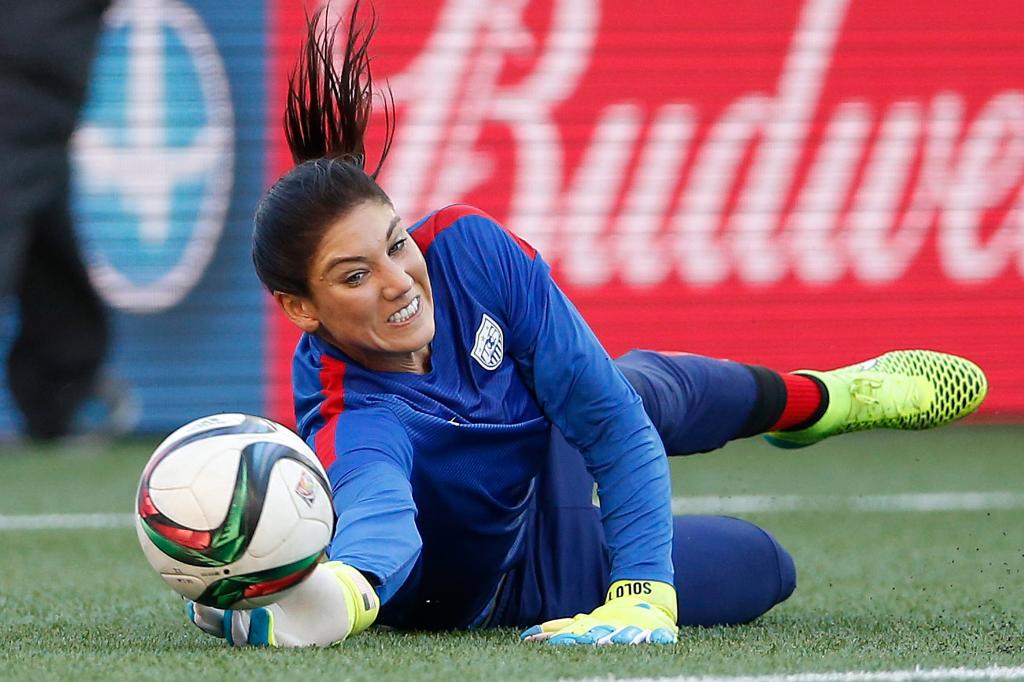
168 165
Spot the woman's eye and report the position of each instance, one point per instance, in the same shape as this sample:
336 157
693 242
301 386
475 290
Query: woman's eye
355 278
397 246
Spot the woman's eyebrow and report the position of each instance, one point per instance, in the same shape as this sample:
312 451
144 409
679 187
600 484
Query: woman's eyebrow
362 259
392 226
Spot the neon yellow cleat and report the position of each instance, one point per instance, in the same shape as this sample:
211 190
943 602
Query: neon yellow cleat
903 389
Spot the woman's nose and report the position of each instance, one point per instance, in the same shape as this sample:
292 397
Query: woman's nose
398 282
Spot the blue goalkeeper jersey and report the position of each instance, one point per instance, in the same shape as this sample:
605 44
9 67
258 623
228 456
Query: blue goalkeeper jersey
434 474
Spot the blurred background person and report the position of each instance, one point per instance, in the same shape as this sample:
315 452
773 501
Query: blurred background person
54 365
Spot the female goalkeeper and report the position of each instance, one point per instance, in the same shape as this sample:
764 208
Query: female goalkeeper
463 410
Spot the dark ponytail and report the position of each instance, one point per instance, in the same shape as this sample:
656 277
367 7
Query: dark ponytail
326 115
327 111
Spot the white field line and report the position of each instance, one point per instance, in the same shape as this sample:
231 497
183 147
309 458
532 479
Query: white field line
909 502
737 504
991 673
64 521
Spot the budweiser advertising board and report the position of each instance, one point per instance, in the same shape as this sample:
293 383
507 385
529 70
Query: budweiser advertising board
795 184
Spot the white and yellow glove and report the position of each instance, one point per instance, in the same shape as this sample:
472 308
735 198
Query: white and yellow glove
634 612
332 604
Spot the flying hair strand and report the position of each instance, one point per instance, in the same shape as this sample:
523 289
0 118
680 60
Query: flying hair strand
328 108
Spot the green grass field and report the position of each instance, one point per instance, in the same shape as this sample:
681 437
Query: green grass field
878 590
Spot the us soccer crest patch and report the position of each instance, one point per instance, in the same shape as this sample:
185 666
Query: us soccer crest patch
489 348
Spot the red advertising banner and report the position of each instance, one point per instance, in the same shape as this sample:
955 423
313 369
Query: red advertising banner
795 184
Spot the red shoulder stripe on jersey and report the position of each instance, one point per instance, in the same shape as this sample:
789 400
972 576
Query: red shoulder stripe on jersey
425 234
332 382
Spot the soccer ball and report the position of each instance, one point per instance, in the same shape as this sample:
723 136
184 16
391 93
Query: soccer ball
233 510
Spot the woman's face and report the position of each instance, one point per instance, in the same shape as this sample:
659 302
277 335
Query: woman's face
369 291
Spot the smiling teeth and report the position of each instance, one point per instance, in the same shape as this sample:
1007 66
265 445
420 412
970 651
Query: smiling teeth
406 312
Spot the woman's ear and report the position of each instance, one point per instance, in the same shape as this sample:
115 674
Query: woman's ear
300 311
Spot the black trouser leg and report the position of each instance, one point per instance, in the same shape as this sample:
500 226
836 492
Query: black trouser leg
63 336
46 47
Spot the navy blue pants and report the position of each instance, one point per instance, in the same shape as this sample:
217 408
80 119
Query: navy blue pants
727 570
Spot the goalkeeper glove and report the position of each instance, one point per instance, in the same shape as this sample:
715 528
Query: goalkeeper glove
634 612
333 603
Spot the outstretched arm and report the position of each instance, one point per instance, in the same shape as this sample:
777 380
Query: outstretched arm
374 549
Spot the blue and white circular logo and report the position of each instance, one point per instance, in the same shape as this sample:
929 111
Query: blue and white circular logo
153 155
